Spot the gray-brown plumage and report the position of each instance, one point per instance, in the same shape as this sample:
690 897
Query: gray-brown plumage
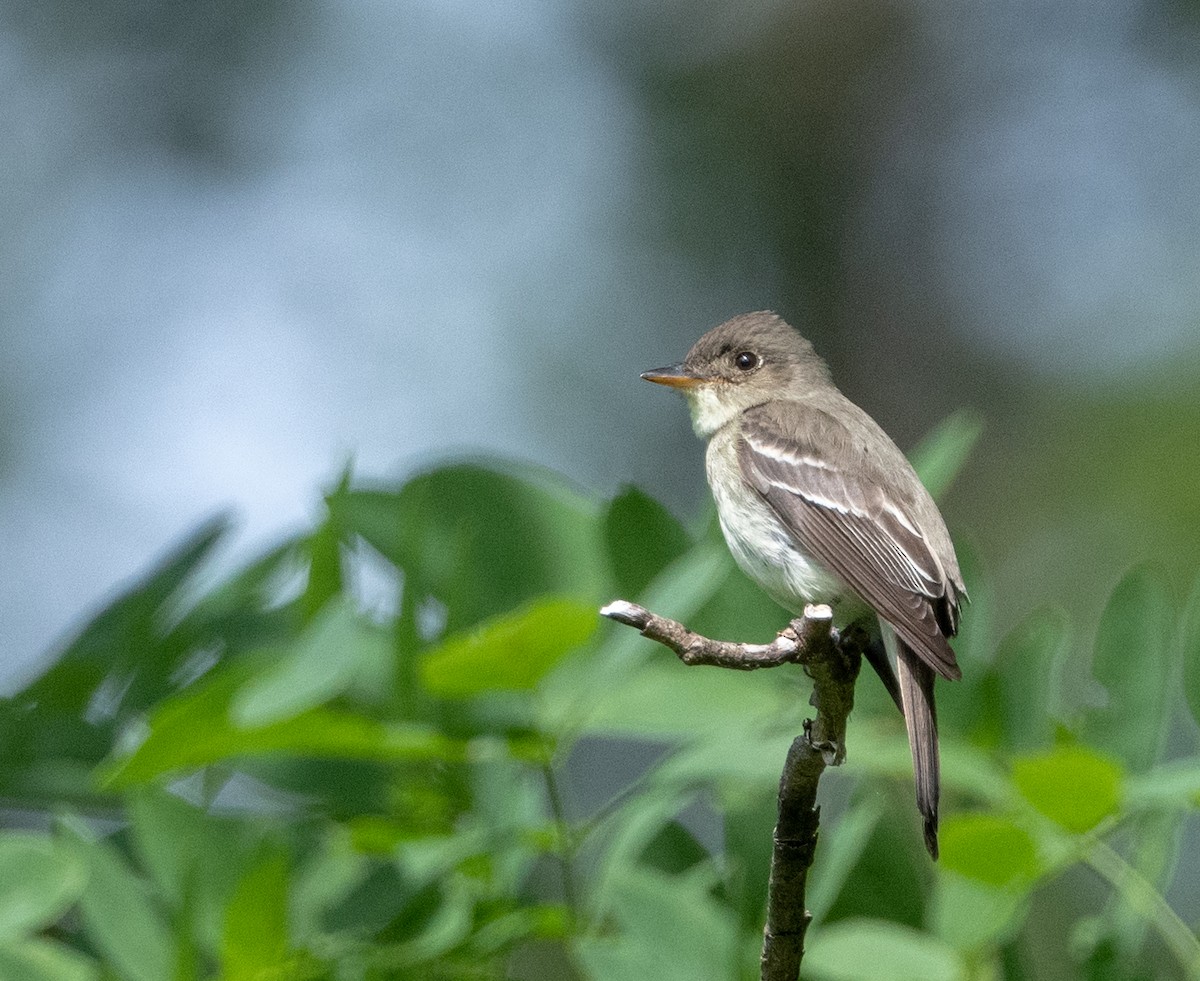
818 505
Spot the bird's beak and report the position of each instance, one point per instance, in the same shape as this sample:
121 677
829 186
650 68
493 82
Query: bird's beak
674 375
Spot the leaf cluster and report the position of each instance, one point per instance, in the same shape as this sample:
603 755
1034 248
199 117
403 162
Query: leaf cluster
402 745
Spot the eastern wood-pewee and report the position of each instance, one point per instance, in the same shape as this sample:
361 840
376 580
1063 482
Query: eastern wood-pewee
818 505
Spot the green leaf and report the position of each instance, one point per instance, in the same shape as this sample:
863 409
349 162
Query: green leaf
989 848
643 538
512 652
324 583
1134 660
120 918
256 921
667 698
1028 663
971 915
39 881
749 821
41 960
882 749
1189 644
481 539
874 950
194 858
1169 786
842 847
1073 786
126 632
624 835
633 686
942 453
667 927
325 660
194 729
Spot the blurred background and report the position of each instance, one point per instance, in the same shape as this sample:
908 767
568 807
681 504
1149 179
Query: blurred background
242 244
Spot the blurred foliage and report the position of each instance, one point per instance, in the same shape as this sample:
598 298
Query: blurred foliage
268 778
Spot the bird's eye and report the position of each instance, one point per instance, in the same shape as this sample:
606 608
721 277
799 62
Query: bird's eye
747 361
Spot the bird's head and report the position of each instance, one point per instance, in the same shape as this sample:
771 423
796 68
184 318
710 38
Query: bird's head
749 360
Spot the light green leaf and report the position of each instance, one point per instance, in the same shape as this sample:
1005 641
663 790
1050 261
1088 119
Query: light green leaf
662 698
1170 786
873 950
194 858
666 927
512 652
42 960
942 453
1134 660
989 848
1071 785
39 880
120 918
256 920
970 915
1028 662
1189 644
841 849
584 692
624 835
881 749
324 661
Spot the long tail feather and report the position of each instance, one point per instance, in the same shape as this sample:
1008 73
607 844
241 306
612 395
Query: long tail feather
920 717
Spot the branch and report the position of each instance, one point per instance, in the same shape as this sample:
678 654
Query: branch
832 661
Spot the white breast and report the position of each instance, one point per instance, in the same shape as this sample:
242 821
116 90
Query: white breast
760 543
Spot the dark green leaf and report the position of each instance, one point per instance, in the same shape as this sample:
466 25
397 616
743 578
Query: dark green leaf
749 826
643 538
127 631
1073 786
842 849
373 903
483 540
990 849
324 568
889 856
1134 660
512 652
194 729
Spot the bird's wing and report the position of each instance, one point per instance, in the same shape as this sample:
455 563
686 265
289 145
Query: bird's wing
851 524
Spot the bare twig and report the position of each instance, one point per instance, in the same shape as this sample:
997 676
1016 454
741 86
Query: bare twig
832 660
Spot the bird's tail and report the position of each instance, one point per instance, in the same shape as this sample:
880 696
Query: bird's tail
920 717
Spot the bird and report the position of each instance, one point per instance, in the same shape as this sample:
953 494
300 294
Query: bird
817 504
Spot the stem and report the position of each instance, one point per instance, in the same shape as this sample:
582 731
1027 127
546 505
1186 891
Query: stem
1147 900
832 662
566 844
